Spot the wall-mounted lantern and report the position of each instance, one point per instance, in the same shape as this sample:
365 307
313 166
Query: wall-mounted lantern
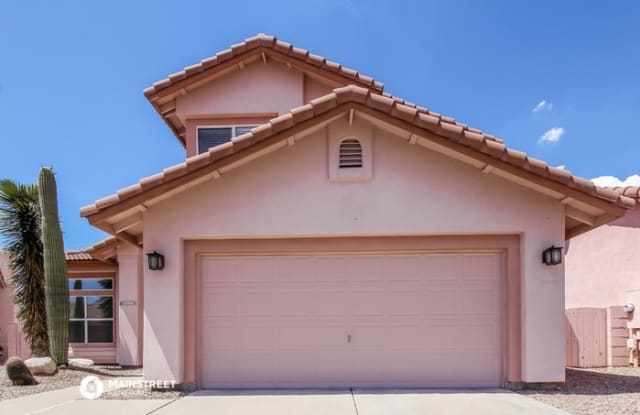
552 255
156 261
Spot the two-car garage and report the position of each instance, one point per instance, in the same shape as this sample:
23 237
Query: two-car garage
375 318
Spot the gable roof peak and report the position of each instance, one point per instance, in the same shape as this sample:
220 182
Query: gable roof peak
271 44
485 149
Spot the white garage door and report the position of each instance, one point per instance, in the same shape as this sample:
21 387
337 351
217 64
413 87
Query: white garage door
378 320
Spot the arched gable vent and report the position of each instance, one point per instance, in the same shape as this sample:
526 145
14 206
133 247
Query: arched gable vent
350 154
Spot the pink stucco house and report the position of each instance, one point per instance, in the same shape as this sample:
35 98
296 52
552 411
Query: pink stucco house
601 275
602 266
97 276
323 233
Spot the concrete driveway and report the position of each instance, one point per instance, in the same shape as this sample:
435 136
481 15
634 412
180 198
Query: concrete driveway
359 402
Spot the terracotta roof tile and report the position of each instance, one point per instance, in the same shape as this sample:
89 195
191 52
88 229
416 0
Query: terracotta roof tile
223 150
438 125
628 191
87 253
428 121
324 103
77 255
268 42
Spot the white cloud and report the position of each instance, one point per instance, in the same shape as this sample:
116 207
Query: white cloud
561 167
612 181
543 105
551 136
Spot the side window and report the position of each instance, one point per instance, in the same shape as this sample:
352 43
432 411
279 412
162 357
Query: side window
91 310
213 136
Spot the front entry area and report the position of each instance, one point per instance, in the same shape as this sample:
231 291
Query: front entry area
350 319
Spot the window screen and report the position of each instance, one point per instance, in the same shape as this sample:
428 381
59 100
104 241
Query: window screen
211 137
243 129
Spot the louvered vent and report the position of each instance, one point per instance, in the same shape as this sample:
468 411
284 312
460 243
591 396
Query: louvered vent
350 154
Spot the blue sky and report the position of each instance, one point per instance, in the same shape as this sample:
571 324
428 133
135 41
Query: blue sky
72 75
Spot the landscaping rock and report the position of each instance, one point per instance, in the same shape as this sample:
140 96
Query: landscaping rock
19 373
41 365
79 362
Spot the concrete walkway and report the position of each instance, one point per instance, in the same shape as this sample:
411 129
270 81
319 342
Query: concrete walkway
340 402
69 401
360 402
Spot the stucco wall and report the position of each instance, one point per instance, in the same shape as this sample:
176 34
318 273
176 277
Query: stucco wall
129 293
249 96
413 192
602 265
256 88
128 336
6 304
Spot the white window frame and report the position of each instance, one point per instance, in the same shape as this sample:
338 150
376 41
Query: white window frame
93 289
232 126
95 293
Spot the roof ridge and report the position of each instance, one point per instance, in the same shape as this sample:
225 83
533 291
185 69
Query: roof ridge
437 124
262 40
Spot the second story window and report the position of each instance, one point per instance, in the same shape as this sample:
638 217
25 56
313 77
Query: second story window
212 136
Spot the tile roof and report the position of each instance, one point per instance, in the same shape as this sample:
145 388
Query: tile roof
77 255
441 126
87 254
271 43
106 243
628 191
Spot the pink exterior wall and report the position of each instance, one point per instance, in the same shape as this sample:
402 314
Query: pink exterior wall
129 333
314 89
602 265
256 88
127 348
6 305
252 95
11 336
413 191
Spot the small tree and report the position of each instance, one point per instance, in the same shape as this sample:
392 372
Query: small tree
20 229
55 268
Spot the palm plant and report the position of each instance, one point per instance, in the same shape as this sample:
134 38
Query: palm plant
20 221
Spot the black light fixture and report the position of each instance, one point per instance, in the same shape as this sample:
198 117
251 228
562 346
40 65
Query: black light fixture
156 261
552 255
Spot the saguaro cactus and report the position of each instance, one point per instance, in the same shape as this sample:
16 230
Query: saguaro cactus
55 268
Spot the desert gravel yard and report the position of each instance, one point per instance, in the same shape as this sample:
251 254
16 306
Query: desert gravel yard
72 376
602 391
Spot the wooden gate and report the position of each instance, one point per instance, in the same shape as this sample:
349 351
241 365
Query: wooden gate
586 337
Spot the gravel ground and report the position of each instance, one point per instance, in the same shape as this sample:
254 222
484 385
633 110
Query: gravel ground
63 379
601 391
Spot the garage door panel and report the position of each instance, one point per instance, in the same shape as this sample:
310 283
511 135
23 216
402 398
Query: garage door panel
350 320
480 302
480 267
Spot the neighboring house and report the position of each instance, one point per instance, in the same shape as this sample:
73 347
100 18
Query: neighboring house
603 265
99 329
601 275
322 233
